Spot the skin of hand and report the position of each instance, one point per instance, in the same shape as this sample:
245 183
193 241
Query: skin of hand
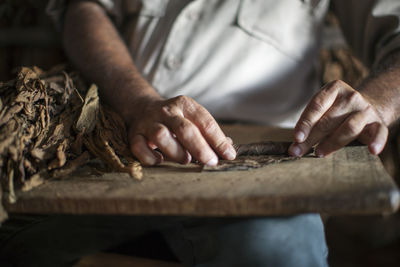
339 114
179 127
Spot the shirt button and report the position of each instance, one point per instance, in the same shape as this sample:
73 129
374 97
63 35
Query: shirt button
173 63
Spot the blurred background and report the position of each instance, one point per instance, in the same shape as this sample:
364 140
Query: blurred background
28 38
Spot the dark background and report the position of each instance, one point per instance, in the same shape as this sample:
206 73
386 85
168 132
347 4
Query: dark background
28 38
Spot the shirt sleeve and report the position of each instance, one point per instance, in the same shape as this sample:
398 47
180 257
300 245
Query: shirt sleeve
372 27
56 10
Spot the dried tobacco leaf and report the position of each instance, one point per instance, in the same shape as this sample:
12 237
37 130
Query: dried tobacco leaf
90 110
105 135
47 130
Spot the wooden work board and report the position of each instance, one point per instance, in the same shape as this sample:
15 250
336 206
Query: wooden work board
350 181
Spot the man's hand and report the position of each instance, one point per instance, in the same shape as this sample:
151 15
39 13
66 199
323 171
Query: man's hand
335 116
180 128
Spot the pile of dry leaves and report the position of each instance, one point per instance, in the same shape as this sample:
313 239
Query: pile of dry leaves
48 130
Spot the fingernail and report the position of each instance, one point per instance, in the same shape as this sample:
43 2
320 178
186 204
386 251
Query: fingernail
299 136
188 158
295 150
229 153
158 157
319 154
375 147
212 162
152 161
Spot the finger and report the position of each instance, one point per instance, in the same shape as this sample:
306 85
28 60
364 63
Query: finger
151 145
161 137
375 135
213 134
191 138
210 129
187 160
229 140
313 112
348 131
327 124
139 148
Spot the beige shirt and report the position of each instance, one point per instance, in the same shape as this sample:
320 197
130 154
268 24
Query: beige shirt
251 60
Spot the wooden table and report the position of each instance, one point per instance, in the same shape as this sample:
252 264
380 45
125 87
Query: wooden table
351 181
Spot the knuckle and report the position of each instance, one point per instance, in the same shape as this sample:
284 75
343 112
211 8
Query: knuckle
372 113
369 109
338 84
323 94
324 124
326 90
354 97
352 127
181 99
184 129
159 133
316 105
305 123
175 105
192 107
166 110
170 110
222 145
332 86
209 126
184 101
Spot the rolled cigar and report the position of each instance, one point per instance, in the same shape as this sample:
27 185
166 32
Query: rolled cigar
262 148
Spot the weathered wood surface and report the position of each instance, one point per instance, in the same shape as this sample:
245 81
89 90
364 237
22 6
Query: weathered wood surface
351 181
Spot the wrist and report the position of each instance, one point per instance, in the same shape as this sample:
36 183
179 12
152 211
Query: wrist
136 102
382 88
374 92
125 91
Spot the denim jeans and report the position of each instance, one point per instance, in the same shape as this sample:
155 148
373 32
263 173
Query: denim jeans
60 240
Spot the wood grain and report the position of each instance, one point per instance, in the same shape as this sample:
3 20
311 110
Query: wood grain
351 181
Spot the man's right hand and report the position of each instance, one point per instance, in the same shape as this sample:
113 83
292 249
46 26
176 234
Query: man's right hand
179 128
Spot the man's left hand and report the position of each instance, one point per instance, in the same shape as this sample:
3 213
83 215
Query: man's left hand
337 115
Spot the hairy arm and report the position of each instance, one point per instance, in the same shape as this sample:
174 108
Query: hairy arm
382 88
179 127
95 47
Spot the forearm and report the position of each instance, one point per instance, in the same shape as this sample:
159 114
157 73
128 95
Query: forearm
180 128
382 88
96 49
